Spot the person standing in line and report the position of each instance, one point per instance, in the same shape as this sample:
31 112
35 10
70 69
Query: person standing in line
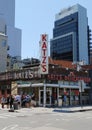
11 101
8 100
18 99
3 101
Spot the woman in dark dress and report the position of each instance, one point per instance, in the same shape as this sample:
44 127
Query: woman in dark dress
8 100
11 101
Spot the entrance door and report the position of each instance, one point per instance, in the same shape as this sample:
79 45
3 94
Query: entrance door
48 97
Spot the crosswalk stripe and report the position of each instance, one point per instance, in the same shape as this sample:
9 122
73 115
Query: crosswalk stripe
3 117
10 127
6 115
10 115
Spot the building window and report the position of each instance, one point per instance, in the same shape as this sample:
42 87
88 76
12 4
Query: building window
3 43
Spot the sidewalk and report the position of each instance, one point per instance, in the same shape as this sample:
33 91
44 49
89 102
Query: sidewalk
31 109
47 109
63 109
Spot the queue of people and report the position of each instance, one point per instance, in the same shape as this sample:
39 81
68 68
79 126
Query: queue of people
16 101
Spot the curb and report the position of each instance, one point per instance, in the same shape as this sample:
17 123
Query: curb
72 111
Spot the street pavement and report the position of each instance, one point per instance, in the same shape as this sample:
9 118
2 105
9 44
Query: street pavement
40 118
47 128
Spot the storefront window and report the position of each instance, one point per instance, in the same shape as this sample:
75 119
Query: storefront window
66 83
72 83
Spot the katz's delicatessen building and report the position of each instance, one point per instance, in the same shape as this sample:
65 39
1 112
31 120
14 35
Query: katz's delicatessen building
53 82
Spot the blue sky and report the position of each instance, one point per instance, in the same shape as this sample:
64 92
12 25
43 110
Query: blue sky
35 17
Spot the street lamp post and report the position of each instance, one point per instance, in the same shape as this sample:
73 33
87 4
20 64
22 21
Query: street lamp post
81 94
81 89
81 82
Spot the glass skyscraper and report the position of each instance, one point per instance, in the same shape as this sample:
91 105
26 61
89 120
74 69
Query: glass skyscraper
71 35
7 26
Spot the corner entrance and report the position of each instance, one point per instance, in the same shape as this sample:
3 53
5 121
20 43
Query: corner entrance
48 97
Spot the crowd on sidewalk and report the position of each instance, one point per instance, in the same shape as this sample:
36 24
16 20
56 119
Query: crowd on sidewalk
17 101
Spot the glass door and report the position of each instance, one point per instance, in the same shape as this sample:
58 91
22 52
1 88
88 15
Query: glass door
48 97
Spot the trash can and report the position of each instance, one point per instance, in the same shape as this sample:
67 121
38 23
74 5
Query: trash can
15 105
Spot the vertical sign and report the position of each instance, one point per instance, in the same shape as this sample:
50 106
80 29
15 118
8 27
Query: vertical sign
44 54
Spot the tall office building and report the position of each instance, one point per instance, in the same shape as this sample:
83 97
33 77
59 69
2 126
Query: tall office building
3 52
7 13
71 35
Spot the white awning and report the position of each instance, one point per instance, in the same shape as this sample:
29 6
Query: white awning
50 85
